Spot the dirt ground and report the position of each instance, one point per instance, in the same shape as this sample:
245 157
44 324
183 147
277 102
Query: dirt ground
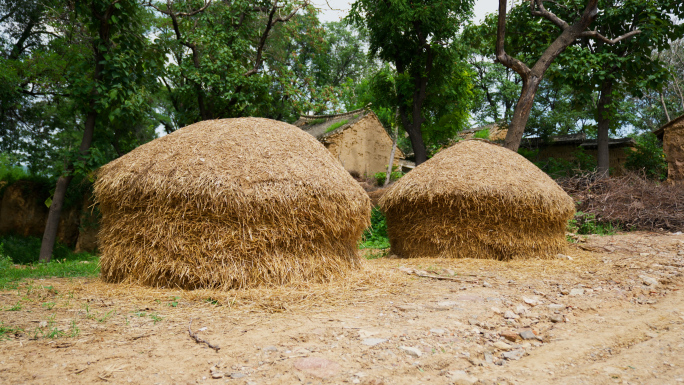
610 311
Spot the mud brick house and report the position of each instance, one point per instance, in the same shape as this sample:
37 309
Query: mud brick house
672 137
356 138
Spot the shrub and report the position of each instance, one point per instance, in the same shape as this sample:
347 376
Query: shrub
375 237
649 157
586 223
394 176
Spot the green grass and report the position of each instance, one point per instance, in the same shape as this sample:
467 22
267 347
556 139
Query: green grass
25 266
482 134
316 121
337 125
585 223
5 331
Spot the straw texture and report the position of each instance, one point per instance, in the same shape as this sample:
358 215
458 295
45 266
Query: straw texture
477 200
228 204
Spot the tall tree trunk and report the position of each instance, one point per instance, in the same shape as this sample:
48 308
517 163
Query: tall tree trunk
604 113
521 113
52 224
415 135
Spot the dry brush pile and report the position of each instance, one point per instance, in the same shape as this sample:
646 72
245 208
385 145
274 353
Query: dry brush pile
633 201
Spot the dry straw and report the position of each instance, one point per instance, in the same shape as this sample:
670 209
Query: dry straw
477 200
229 204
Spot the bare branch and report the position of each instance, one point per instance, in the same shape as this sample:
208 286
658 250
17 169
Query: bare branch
501 55
543 12
272 21
598 36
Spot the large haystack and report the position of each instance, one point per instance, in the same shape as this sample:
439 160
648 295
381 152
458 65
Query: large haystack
229 203
477 200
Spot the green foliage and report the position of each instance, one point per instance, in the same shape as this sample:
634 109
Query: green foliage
427 74
482 134
581 163
72 265
337 125
380 177
25 250
585 223
648 157
375 237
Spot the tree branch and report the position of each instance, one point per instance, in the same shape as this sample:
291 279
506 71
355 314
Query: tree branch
169 9
550 16
269 25
501 55
598 36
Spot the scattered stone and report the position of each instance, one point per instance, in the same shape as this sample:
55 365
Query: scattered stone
270 348
437 331
555 318
556 306
460 377
520 310
217 375
486 284
576 292
235 376
502 345
496 310
564 291
447 303
415 352
528 335
609 249
531 301
373 341
514 355
510 315
649 281
318 367
408 307
510 335
563 256
469 297
489 358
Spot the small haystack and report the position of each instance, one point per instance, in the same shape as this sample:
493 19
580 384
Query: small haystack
227 204
477 200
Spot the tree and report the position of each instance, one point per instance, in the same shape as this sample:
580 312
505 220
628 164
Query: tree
532 76
416 38
106 80
218 50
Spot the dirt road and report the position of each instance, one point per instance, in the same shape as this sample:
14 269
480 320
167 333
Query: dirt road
610 311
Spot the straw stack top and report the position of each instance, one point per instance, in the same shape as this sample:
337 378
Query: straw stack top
475 170
228 162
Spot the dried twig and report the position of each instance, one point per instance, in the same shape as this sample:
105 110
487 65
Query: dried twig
199 340
425 274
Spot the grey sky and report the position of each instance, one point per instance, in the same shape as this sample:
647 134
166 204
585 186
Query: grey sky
341 7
